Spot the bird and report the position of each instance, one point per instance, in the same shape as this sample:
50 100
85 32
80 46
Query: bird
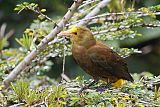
96 58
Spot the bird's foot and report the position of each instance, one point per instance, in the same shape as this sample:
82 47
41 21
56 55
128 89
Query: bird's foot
86 87
82 89
101 89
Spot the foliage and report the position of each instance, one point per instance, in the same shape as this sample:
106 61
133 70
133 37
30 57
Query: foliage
21 89
33 7
139 93
2 42
10 58
26 42
4 37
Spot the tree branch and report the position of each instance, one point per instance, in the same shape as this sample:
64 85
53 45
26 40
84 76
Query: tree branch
28 59
88 2
106 16
96 10
126 27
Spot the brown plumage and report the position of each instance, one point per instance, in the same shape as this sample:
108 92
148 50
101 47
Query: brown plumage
97 59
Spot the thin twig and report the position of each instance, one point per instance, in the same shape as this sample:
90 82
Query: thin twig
2 30
65 77
146 103
17 105
89 9
64 58
150 25
87 3
38 104
39 12
28 59
78 89
10 33
86 19
94 12
125 27
111 30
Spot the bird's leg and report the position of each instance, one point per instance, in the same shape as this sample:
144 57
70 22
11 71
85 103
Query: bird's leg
86 87
102 88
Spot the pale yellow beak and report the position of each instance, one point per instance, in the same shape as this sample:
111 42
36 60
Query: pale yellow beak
67 34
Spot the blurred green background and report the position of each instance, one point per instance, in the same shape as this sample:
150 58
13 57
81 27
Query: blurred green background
149 43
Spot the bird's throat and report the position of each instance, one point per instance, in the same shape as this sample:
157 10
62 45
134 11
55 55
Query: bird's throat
85 43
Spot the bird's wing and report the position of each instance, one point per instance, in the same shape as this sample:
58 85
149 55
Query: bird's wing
109 61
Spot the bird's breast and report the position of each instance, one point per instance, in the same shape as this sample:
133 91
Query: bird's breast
80 55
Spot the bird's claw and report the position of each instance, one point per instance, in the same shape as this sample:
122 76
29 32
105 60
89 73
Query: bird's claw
82 89
80 92
86 87
100 89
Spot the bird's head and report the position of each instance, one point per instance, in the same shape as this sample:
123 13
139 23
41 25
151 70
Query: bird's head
79 35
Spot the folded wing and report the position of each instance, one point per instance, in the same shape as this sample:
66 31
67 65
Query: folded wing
109 61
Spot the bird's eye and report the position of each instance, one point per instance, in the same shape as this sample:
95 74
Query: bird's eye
75 33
